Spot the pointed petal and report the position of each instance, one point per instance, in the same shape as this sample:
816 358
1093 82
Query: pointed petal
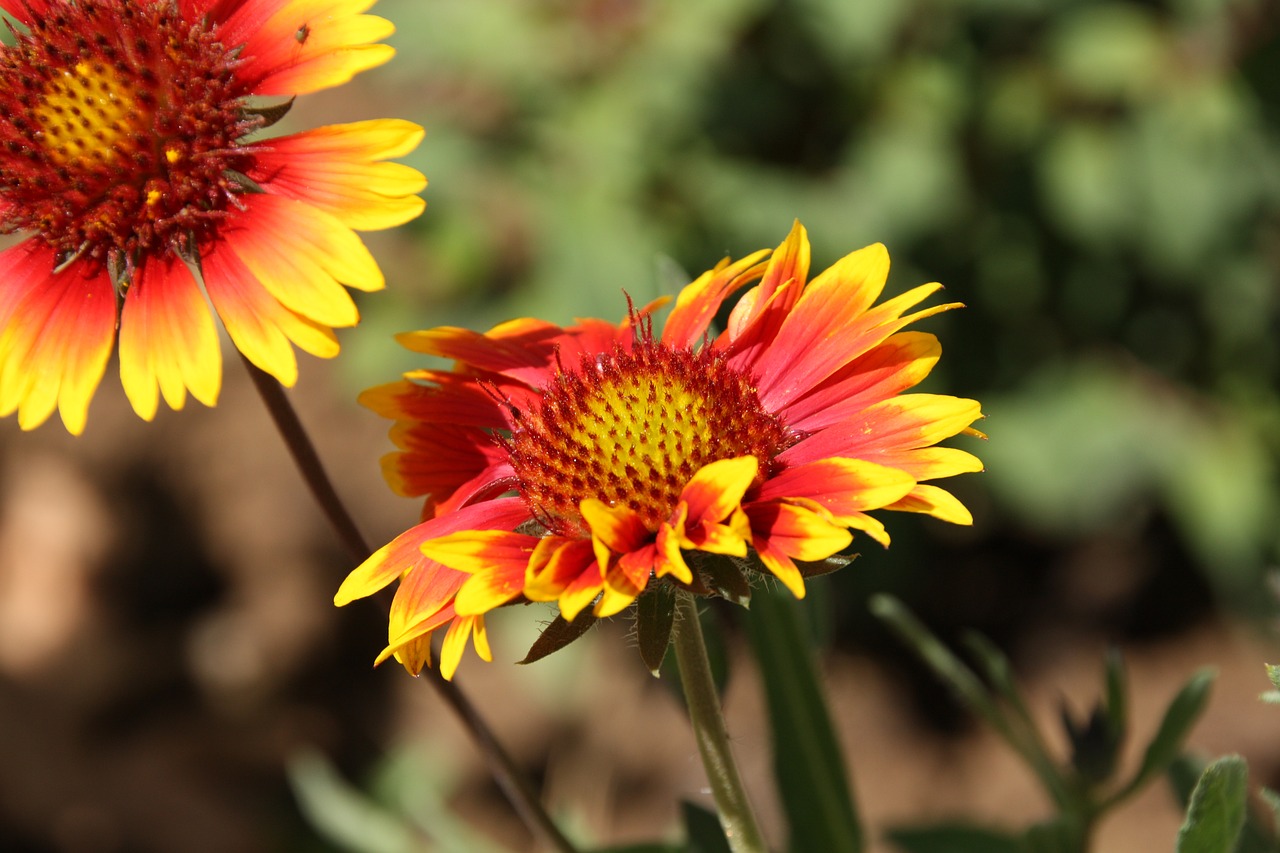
842 487
896 365
813 339
404 553
697 304
937 502
438 397
455 643
905 422
755 320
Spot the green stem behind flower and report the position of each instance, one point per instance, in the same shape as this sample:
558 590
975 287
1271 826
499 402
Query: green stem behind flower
503 768
700 695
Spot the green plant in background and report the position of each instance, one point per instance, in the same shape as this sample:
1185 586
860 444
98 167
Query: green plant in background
1083 789
1220 817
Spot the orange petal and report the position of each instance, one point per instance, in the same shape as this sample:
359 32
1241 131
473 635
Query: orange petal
717 489
614 530
303 256
403 555
578 594
899 363
339 169
698 302
783 530
306 45
56 335
568 562
840 486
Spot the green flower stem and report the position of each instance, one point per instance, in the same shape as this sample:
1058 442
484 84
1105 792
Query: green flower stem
700 695
504 769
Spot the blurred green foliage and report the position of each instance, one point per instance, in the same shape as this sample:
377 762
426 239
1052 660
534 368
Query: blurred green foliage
1099 181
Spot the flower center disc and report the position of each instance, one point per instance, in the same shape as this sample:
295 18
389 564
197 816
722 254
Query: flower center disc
632 428
119 123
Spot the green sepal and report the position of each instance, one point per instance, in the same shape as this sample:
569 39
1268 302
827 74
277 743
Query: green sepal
267 115
559 634
655 614
725 576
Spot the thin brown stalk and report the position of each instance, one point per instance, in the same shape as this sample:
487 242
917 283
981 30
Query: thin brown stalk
504 769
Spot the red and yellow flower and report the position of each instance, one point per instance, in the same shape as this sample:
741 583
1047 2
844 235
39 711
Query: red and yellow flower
582 465
129 166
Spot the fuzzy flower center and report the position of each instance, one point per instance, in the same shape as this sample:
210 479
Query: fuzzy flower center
119 123
631 428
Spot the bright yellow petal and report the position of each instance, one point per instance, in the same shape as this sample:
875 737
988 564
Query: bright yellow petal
937 502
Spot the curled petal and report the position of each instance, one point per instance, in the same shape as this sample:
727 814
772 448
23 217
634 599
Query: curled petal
783 532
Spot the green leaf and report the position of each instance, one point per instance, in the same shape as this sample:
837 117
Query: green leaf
1217 811
702 829
642 848
1183 773
1181 715
953 838
971 692
1062 834
808 768
344 814
1117 694
655 614
1272 799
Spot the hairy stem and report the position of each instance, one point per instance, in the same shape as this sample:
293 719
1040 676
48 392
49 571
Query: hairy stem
700 695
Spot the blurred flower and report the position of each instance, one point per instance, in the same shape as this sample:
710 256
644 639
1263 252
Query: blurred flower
125 165
626 451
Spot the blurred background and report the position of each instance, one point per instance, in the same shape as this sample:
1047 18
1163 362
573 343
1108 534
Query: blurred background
1099 182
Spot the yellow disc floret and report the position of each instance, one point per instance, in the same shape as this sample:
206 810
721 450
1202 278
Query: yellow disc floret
87 113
